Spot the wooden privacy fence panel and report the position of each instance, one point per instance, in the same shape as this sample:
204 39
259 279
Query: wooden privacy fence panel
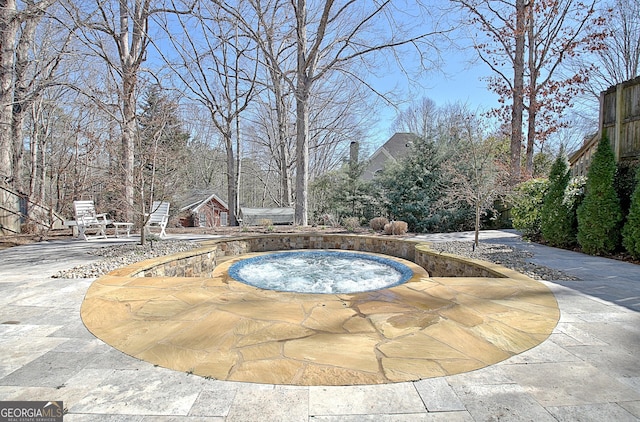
9 212
620 118
16 210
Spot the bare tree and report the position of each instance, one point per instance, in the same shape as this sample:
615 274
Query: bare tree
18 27
118 33
41 57
206 167
535 39
274 37
69 147
271 133
419 118
476 175
340 112
619 60
329 35
216 65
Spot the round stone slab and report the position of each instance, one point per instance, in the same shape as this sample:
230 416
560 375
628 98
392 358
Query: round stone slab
220 328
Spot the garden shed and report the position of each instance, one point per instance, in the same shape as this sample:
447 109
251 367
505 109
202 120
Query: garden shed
203 209
258 216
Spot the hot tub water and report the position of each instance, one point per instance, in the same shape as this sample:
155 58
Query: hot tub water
321 271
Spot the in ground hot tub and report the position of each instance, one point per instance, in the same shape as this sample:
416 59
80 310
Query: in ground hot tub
320 271
188 313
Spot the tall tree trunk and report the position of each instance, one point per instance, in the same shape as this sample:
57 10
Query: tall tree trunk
302 153
17 135
238 166
128 142
533 104
8 32
232 182
22 97
34 150
42 158
531 133
476 236
302 117
518 91
283 152
285 181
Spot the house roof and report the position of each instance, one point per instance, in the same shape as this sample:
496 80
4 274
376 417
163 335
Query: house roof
395 149
194 199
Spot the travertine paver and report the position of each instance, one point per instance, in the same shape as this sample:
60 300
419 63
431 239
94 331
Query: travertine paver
220 328
592 332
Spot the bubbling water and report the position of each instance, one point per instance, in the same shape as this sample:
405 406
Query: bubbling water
328 272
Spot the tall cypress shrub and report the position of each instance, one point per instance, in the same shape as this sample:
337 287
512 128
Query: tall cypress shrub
556 219
599 215
631 231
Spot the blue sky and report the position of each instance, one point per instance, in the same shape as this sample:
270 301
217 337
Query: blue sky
457 81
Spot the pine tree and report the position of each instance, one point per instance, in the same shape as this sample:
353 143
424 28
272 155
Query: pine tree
631 231
599 215
557 220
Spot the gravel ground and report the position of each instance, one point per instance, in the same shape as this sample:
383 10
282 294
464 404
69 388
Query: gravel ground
513 258
114 257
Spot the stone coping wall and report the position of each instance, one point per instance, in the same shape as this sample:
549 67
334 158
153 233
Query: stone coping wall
202 261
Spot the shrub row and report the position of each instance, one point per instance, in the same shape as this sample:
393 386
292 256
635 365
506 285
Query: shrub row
564 212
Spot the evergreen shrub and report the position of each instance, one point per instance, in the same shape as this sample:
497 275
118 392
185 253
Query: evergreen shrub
526 208
625 184
599 215
631 230
556 218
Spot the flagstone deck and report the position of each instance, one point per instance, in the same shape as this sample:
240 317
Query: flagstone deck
219 328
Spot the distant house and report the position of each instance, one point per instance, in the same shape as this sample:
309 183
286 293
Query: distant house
395 149
203 208
258 216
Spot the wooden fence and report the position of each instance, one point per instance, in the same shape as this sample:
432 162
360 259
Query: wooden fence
620 120
10 218
16 210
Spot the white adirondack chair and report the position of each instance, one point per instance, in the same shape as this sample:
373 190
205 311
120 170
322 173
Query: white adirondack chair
159 217
87 218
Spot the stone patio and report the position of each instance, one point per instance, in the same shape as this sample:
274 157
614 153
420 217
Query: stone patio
587 370
220 328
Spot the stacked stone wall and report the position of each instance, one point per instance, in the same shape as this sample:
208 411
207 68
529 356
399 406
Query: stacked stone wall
201 262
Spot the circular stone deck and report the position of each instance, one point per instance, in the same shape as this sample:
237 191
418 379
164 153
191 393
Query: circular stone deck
220 328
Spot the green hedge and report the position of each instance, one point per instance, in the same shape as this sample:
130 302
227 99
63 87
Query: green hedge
557 218
599 215
631 231
527 202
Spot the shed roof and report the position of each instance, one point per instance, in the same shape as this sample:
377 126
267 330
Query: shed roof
195 199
